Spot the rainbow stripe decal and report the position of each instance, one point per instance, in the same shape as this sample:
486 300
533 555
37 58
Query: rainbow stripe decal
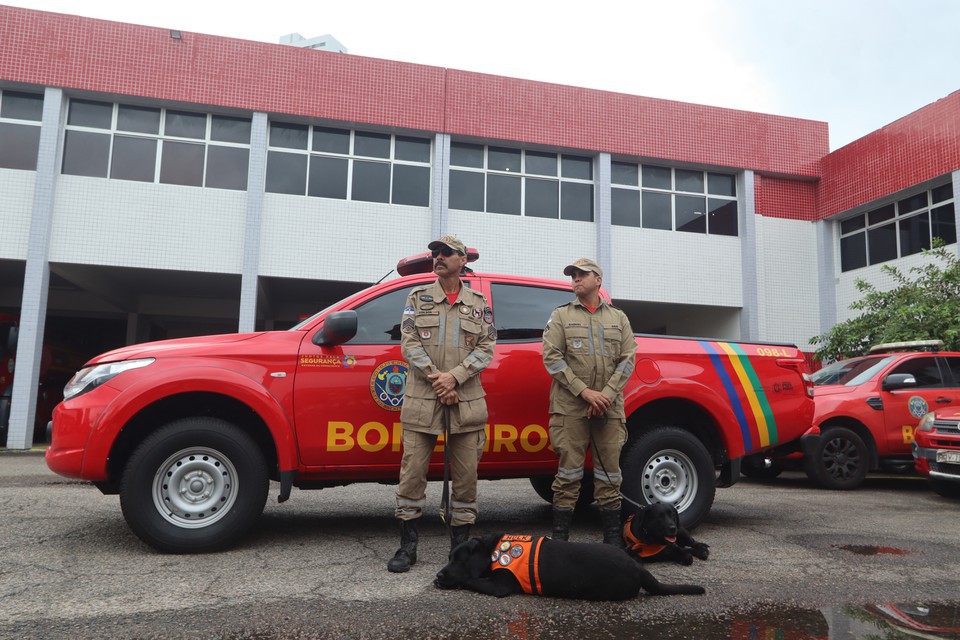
743 372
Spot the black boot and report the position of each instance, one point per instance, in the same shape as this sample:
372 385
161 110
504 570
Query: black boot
612 532
459 535
561 523
406 555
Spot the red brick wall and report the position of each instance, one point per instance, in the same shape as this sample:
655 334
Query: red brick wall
85 54
915 148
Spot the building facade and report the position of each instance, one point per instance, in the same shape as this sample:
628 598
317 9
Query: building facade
158 183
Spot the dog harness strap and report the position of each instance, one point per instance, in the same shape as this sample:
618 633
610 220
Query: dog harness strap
520 555
637 546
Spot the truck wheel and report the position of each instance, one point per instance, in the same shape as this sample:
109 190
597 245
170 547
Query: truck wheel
945 488
839 461
761 467
543 485
670 465
196 485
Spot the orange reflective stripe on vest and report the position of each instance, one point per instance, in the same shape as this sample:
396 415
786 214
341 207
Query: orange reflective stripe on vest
520 555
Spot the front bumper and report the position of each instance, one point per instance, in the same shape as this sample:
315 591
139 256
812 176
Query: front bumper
73 422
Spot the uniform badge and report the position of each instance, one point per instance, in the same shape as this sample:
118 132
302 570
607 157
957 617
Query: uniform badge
464 309
409 311
516 551
425 334
408 325
468 340
505 560
495 555
488 315
577 344
504 546
426 306
424 297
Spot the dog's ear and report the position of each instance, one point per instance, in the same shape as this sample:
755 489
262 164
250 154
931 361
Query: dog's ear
489 541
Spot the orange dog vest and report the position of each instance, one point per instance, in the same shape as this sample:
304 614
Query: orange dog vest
635 545
520 555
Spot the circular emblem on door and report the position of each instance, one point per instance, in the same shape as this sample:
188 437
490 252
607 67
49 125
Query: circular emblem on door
918 406
387 383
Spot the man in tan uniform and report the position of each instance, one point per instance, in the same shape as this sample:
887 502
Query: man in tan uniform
447 338
589 350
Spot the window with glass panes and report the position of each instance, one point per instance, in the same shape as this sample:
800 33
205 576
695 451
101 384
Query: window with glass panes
521 182
901 228
670 199
329 162
20 115
153 144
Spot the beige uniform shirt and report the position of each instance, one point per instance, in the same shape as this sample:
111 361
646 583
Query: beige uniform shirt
436 336
588 350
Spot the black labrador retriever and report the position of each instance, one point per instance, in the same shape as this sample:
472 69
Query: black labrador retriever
655 535
500 565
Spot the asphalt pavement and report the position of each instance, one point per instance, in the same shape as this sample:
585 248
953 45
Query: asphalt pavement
784 555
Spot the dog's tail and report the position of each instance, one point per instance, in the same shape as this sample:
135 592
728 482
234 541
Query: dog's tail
654 587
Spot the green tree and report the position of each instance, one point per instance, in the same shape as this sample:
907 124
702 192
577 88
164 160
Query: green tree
924 305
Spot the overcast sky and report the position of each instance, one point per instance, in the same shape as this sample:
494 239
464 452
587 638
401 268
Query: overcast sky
855 64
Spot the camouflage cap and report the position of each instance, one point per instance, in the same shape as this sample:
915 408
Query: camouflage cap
582 264
449 241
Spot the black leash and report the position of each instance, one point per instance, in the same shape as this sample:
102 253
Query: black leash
596 454
445 516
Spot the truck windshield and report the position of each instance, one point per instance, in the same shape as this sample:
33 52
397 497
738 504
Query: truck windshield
850 372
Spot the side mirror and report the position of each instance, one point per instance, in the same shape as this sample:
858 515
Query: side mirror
338 327
896 381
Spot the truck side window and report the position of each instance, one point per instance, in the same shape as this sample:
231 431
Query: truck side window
925 370
378 320
954 365
521 312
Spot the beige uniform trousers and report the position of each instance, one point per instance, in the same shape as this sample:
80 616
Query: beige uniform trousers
464 453
571 437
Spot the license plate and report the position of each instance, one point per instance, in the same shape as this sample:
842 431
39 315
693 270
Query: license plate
951 457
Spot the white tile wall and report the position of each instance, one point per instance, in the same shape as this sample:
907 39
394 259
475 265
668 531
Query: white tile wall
668 266
847 292
518 245
157 226
326 239
15 215
787 281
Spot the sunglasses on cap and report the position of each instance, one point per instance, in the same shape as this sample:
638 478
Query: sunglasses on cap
446 252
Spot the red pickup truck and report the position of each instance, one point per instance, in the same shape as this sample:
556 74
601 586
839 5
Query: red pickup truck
189 432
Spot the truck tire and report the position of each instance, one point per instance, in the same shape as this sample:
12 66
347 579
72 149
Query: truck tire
945 488
840 460
195 485
543 485
670 465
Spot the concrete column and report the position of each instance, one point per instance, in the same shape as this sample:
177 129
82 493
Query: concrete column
750 313
827 273
36 279
440 191
256 183
602 205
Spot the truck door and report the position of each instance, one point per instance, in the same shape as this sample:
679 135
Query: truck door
903 408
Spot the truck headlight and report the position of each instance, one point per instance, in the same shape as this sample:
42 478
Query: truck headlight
89 378
926 422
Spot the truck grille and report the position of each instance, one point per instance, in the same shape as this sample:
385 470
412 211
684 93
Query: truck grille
950 469
947 427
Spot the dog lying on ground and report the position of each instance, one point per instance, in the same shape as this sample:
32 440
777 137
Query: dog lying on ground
500 565
655 535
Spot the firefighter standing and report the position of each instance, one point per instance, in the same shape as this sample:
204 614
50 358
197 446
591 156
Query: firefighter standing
589 350
447 338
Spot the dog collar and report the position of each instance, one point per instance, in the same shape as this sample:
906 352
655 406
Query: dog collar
638 546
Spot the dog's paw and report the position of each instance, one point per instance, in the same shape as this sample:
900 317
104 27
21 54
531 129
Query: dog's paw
701 550
686 560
